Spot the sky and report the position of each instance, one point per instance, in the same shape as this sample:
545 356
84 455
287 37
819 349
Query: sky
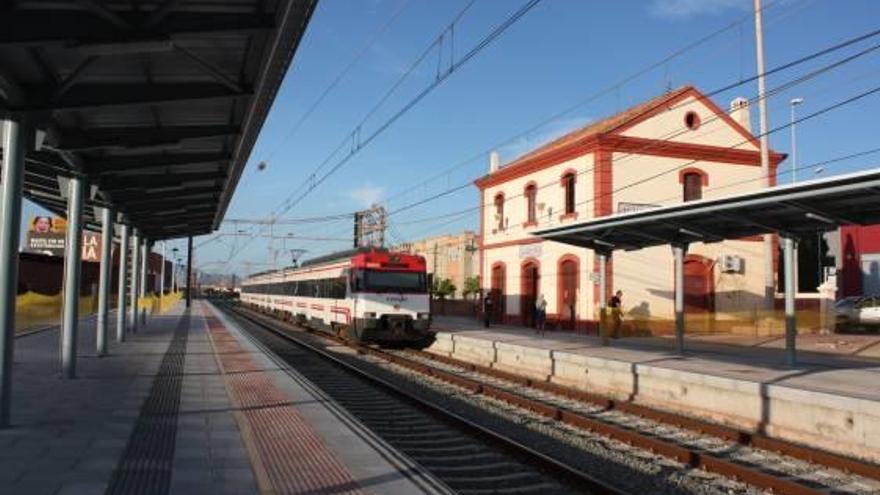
510 97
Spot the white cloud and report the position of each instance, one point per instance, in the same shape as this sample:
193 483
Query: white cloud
683 9
367 194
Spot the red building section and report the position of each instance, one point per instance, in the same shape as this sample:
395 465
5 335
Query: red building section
860 261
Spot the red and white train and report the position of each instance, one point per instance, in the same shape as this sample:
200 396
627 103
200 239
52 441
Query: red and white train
366 295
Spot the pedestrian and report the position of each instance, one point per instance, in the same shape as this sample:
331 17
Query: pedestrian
616 305
540 314
488 305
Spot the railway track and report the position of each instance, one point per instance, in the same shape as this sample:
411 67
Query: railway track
466 456
760 461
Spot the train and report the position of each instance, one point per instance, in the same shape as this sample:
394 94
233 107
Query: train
371 296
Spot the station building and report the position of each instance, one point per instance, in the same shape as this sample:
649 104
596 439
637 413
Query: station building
679 146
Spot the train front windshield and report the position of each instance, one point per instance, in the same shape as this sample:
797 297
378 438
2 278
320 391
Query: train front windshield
389 281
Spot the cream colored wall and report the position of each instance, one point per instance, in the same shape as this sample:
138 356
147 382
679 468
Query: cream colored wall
549 256
670 125
549 193
646 276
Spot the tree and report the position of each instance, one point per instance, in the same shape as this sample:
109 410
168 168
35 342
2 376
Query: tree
444 288
471 286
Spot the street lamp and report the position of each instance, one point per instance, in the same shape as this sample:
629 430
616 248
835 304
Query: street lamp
794 102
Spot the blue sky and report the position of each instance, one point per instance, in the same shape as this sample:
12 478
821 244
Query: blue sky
560 53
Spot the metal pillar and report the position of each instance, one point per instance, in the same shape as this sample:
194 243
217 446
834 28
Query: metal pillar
769 281
123 279
72 265
14 147
104 279
162 277
679 250
142 290
790 315
603 300
189 267
133 285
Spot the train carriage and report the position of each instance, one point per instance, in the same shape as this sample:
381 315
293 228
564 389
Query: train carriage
367 295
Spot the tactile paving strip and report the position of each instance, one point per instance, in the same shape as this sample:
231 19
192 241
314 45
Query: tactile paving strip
295 459
145 467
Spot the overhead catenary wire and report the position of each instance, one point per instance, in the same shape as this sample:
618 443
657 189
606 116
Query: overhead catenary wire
359 144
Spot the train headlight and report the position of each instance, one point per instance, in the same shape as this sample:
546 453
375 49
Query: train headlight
370 315
424 316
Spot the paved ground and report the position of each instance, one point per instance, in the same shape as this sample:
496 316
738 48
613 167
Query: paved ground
174 410
820 371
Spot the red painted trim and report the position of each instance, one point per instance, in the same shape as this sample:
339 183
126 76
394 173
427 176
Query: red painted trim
572 172
603 183
530 224
696 117
343 311
568 216
539 160
482 236
300 305
688 151
318 307
516 242
704 176
523 295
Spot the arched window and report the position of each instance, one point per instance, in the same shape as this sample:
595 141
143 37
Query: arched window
499 211
531 195
568 181
692 186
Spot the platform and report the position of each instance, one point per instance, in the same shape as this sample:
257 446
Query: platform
829 400
187 405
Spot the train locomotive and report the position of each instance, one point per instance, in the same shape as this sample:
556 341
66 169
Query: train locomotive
364 295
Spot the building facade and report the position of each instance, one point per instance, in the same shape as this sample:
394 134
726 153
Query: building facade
453 256
676 147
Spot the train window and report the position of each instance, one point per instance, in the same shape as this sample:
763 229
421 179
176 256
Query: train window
389 281
337 288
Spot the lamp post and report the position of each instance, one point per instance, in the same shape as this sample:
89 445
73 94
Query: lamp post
794 163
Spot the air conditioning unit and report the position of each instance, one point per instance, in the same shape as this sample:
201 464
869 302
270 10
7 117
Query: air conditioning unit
731 263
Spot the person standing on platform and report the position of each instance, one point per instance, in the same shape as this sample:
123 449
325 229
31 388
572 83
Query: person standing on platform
616 305
540 314
488 305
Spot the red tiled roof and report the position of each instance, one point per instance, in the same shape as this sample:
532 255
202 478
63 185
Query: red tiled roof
605 125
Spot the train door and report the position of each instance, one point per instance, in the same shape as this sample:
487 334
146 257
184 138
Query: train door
529 278
498 281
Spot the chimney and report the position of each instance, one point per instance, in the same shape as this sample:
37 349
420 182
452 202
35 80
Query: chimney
494 162
739 111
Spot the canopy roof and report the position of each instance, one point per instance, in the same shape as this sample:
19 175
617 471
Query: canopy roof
791 210
157 103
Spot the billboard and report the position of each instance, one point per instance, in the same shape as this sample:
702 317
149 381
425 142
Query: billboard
46 235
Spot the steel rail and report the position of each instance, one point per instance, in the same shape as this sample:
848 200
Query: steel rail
686 455
561 471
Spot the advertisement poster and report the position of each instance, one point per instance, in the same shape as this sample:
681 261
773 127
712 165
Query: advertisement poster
46 235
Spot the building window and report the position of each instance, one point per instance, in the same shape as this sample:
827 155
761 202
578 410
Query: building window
531 195
499 211
568 181
693 186
692 120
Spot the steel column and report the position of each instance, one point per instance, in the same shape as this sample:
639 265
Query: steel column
162 277
189 267
123 279
679 251
603 300
133 288
104 279
72 266
143 276
790 315
14 148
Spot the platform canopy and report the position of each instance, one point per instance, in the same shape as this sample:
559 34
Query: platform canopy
791 210
156 103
